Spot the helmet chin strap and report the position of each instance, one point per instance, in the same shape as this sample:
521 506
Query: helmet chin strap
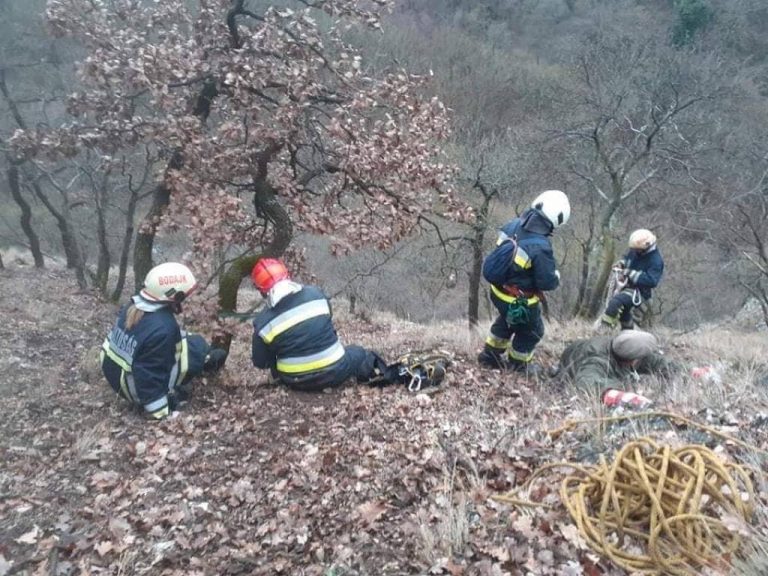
175 305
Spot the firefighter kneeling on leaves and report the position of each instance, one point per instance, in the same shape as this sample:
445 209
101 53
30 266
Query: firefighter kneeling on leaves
520 269
295 339
147 358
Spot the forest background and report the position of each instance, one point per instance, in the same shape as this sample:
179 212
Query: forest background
377 151
648 113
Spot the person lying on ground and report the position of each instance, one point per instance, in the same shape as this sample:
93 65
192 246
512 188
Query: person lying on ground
600 363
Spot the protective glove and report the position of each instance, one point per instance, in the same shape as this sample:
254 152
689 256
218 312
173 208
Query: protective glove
557 273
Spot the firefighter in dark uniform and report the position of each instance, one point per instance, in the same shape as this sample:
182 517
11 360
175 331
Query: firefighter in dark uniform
147 358
295 339
603 362
519 326
638 273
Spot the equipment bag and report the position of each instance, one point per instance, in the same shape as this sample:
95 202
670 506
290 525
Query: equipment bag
498 263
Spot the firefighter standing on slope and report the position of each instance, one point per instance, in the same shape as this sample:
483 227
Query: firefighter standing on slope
519 270
146 358
295 339
638 273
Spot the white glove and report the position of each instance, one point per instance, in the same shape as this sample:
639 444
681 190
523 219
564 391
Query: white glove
557 273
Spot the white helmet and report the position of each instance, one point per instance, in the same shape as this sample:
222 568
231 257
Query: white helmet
554 205
170 282
642 239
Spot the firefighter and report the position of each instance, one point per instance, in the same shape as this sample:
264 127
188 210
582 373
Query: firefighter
637 273
146 358
520 269
294 337
603 362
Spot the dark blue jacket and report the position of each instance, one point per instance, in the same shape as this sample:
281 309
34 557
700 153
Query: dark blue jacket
144 364
297 341
644 270
532 231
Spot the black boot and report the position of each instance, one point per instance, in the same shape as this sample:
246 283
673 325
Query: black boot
493 360
528 368
215 359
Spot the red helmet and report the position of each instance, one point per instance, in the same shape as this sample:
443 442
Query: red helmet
267 272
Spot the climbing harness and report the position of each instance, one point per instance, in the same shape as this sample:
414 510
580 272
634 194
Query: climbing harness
419 370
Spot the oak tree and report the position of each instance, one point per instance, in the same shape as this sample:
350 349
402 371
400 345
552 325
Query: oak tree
269 120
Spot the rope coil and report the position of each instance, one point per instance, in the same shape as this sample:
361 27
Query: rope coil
660 510
656 509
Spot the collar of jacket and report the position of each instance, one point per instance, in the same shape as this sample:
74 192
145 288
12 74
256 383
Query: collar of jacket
646 251
146 305
280 291
534 221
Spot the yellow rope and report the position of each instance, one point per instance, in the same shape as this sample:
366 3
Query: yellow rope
656 509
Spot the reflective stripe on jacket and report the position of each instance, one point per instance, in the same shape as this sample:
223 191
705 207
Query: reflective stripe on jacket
296 337
147 362
535 265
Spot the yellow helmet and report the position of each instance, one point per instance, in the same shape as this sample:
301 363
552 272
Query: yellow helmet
169 282
642 239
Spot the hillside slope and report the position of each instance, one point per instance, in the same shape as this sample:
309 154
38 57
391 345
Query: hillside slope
252 479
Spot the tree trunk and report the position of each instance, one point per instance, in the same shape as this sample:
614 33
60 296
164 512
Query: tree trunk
126 249
26 215
269 208
476 271
473 298
604 259
68 239
13 180
161 198
581 294
104 258
601 256
145 239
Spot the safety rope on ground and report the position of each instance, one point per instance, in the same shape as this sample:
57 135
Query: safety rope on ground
656 509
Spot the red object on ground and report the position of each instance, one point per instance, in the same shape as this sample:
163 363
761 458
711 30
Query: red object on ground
613 398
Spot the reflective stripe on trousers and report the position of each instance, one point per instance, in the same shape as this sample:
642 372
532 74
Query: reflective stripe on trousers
311 362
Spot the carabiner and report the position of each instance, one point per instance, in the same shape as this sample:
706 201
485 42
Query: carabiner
415 384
